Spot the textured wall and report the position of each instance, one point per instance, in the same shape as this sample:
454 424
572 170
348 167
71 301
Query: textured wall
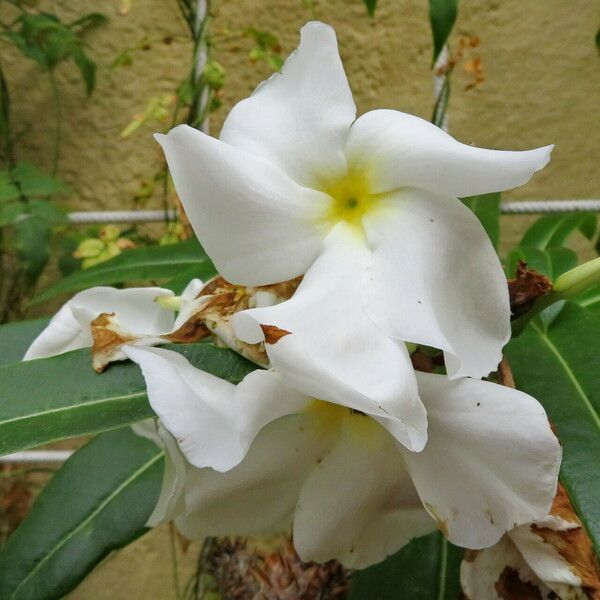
542 82
542 85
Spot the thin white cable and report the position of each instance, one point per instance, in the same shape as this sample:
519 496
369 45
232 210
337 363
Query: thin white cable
549 206
37 456
508 208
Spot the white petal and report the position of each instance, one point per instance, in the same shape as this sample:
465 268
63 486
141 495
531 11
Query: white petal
258 497
491 461
70 328
299 119
436 280
257 225
359 504
171 501
213 421
334 352
400 150
489 573
544 558
190 302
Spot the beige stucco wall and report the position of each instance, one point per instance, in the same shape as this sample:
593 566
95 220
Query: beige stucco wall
542 86
541 66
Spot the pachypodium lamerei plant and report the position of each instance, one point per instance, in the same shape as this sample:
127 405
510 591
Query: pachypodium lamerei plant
339 241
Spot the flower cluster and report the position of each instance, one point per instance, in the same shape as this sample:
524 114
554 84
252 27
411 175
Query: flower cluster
341 244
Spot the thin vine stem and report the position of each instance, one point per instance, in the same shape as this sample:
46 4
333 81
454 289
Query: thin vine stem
58 129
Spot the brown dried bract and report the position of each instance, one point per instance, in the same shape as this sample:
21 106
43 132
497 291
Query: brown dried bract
526 287
511 587
573 544
108 339
246 572
273 334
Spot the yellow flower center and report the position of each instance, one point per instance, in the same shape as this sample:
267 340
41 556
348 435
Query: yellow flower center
350 199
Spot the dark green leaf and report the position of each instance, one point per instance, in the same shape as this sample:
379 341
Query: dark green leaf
562 260
590 299
487 209
33 239
87 68
54 398
8 190
561 368
99 501
371 6
425 569
442 15
89 21
554 230
35 183
15 338
140 264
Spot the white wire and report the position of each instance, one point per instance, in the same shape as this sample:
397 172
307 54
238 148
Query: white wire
37 456
508 208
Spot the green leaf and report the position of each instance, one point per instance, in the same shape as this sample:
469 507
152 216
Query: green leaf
554 230
87 68
33 239
140 264
442 15
561 368
13 212
35 183
590 299
487 209
15 338
425 569
54 398
99 501
551 262
371 6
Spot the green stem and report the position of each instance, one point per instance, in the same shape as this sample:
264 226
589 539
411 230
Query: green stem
58 129
174 561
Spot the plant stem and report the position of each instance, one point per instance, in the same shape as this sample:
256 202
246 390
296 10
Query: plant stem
58 129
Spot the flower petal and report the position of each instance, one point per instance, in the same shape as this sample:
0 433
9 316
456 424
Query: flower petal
70 328
324 344
400 150
299 118
171 501
258 497
358 505
213 421
436 280
500 573
270 221
491 461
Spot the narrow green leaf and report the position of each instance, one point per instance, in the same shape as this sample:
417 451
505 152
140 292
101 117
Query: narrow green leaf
425 569
442 15
371 6
33 239
15 338
554 230
140 264
99 501
560 367
487 209
35 183
54 398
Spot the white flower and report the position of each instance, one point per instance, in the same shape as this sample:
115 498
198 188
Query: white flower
137 310
351 490
292 164
551 558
